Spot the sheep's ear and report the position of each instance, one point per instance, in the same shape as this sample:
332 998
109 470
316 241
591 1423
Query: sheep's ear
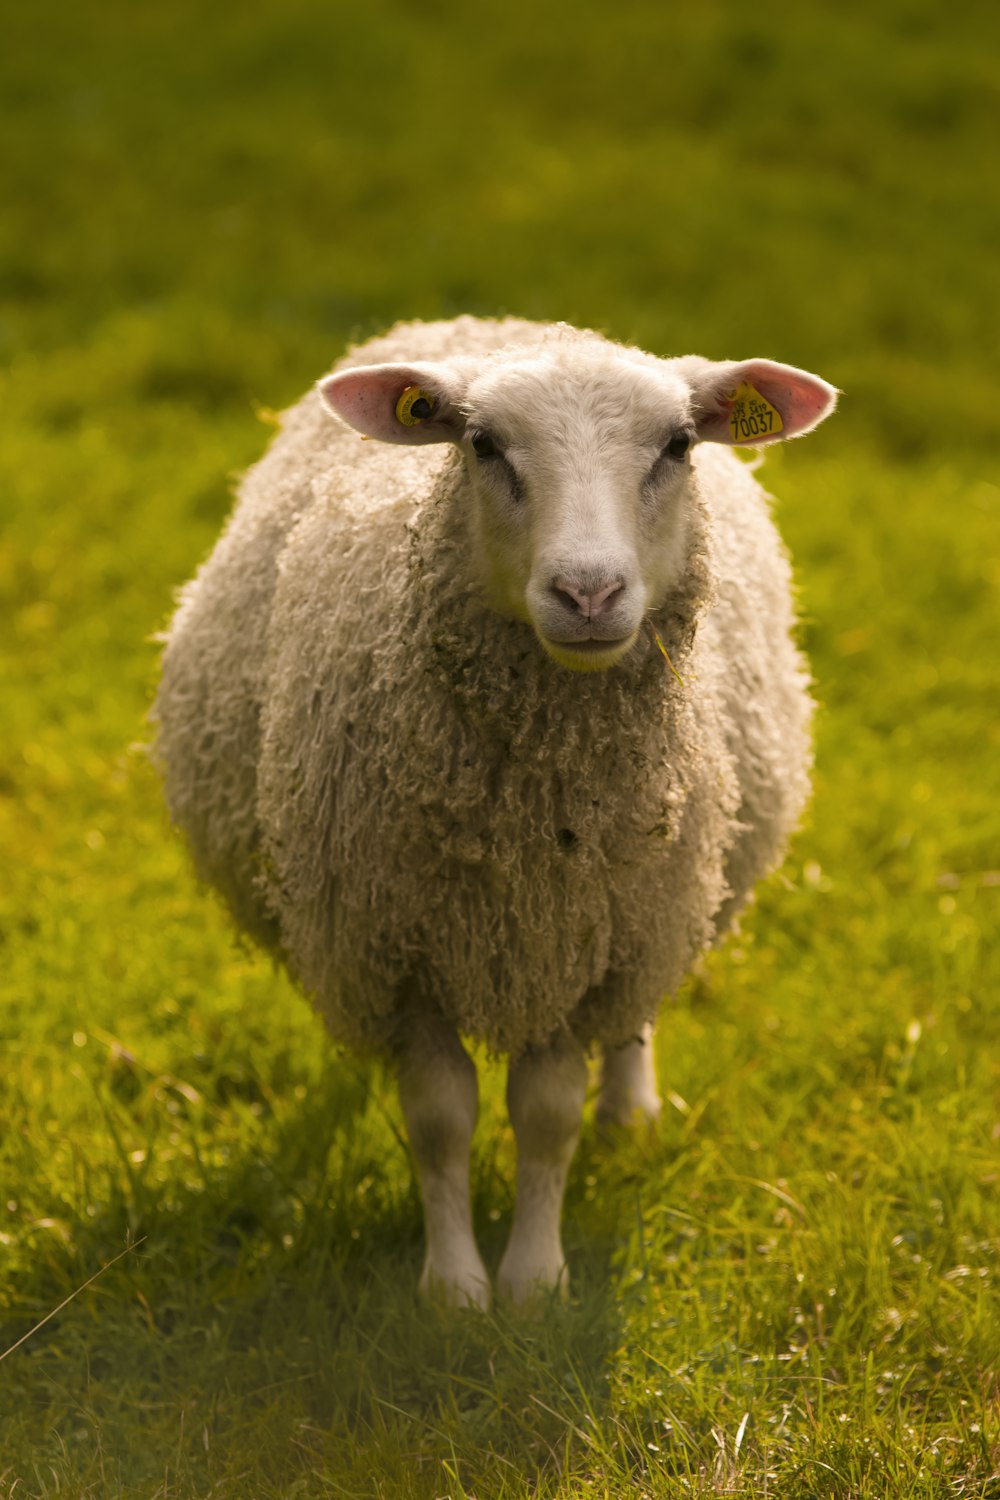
397 403
756 401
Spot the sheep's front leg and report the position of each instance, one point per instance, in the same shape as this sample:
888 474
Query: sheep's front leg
628 1082
438 1092
545 1091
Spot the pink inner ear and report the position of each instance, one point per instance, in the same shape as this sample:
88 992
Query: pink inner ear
801 398
366 398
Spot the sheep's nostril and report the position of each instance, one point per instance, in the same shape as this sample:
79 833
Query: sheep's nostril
589 605
605 596
568 595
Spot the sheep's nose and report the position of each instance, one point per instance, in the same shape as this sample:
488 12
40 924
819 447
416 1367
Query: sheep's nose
592 604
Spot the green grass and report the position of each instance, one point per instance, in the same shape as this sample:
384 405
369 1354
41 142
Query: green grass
790 1289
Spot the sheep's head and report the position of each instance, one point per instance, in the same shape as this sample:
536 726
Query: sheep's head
579 457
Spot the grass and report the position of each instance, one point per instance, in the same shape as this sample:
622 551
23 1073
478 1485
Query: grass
790 1288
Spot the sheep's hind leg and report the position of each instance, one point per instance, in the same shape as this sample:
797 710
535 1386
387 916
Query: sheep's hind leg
628 1082
545 1092
439 1095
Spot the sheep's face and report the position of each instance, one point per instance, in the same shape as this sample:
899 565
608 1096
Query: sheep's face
579 459
580 476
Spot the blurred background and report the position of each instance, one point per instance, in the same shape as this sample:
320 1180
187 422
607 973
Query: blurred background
807 182
200 205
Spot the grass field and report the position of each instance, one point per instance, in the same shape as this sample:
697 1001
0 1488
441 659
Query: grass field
791 1288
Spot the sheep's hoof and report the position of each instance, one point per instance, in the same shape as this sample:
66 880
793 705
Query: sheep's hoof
531 1289
456 1286
616 1113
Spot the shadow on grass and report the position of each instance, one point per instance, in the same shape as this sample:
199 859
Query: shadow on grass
270 1309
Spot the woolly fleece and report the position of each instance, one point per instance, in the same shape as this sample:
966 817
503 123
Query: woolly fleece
403 794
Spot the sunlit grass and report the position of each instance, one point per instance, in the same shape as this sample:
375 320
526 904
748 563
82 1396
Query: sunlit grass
789 1288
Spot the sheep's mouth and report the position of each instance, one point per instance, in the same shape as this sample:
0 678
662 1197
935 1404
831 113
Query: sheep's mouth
589 654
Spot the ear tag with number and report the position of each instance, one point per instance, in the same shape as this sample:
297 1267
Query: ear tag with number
414 406
752 415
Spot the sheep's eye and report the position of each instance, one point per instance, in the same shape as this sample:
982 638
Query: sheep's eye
483 445
678 445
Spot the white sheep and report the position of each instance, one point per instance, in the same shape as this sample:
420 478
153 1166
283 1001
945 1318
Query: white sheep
491 734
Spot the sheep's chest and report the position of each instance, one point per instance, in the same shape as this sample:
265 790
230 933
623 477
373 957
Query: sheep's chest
447 808
516 850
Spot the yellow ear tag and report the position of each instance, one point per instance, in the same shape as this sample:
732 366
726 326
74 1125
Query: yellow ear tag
414 406
752 415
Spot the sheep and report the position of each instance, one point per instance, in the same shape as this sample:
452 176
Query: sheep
489 727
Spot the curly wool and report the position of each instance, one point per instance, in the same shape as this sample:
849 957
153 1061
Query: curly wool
403 793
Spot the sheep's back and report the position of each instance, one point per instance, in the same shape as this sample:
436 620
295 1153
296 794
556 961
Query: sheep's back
763 682
208 710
